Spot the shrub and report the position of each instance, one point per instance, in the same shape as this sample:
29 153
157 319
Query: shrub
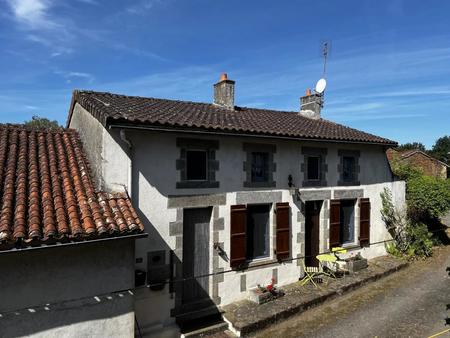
410 238
427 197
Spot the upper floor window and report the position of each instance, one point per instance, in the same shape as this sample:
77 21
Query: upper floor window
314 167
260 164
348 167
197 164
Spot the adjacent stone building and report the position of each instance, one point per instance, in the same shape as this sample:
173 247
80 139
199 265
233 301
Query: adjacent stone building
232 196
429 165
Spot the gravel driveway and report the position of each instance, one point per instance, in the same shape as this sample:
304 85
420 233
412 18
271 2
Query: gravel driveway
409 303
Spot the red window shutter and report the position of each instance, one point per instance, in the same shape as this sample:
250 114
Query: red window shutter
364 222
238 225
283 231
335 223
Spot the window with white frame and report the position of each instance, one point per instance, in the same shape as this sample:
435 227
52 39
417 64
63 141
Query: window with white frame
258 234
347 214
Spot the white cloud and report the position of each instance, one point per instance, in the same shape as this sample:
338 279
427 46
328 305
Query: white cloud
32 13
70 75
89 2
142 7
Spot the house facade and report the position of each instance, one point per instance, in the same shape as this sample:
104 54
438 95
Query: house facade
231 196
66 249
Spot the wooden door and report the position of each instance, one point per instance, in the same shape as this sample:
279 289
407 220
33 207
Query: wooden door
312 225
196 224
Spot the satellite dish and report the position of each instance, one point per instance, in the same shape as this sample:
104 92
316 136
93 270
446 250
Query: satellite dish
320 86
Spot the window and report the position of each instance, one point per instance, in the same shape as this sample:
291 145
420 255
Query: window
347 214
250 233
257 231
313 168
342 222
196 165
348 167
260 163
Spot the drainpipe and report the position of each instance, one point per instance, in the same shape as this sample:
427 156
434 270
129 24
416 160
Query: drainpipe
127 141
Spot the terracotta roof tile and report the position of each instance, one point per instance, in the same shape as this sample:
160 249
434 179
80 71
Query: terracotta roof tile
47 195
112 108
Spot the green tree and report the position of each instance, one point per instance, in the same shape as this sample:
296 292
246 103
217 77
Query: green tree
441 149
411 145
42 122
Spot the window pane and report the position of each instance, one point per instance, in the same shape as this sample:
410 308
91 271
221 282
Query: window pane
313 163
196 165
260 167
348 169
347 221
257 231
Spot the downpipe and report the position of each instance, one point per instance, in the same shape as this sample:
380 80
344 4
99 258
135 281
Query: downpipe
127 141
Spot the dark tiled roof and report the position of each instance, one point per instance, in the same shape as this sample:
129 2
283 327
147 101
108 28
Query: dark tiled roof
46 193
112 108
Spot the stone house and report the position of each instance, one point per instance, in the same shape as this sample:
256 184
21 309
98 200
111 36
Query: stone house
419 159
66 250
232 196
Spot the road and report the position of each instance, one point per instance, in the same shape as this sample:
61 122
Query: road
409 303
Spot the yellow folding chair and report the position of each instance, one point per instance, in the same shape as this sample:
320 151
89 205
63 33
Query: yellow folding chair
311 272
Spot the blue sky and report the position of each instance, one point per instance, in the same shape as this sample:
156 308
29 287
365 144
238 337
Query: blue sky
388 71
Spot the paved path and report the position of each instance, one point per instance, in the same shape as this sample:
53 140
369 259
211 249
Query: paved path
409 303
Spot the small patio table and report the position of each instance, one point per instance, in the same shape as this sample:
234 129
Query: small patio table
327 258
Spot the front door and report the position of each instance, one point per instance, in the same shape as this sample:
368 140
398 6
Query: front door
312 222
196 224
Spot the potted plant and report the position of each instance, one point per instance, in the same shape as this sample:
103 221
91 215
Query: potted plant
263 294
356 262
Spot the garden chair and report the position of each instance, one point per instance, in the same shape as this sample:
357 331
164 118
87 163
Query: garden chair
311 272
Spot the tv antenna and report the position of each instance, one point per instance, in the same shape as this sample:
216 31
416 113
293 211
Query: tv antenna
322 83
326 46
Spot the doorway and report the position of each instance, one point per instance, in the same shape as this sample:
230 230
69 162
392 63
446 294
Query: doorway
196 228
312 226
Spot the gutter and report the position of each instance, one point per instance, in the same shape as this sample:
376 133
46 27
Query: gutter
206 132
69 244
127 141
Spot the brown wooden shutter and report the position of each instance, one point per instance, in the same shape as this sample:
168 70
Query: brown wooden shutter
364 222
238 225
335 223
283 231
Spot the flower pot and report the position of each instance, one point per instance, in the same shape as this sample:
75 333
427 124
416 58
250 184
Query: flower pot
260 297
356 265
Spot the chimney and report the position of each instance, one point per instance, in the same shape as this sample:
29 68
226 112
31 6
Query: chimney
311 104
224 92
